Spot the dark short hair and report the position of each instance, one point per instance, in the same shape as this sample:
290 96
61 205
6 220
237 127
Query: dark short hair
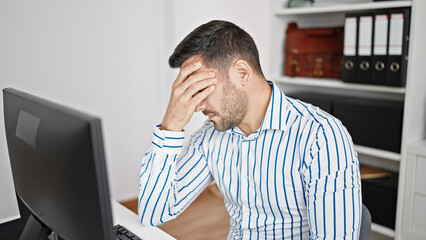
219 43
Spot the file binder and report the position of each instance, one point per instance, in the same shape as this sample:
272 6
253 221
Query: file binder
399 29
380 48
350 63
365 41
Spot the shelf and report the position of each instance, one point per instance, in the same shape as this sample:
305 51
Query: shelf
418 147
378 153
383 230
336 83
350 7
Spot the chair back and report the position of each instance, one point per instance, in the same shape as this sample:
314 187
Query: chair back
364 233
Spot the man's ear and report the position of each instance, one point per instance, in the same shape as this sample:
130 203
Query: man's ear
243 70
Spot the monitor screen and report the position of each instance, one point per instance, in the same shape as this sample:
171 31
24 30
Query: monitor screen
58 166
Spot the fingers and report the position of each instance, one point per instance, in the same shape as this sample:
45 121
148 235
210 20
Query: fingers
195 78
193 84
198 87
186 71
200 96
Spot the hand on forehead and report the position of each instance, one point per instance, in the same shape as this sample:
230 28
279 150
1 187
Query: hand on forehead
197 58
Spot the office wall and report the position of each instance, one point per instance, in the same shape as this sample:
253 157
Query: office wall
108 58
102 57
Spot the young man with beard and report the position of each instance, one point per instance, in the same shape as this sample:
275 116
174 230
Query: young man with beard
286 169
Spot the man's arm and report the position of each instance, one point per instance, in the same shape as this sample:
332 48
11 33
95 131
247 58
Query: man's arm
333 185
169 180
171 177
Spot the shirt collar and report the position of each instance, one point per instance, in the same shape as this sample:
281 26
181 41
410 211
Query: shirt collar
276 110
273 117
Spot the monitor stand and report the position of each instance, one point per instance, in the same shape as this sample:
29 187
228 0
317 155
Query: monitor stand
35 230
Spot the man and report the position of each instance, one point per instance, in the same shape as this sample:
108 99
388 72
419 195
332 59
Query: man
286 169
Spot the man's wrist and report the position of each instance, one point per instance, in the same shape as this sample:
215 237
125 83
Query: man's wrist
167 127
170 141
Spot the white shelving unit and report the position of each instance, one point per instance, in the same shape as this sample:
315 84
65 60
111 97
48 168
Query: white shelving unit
413 95
336 83
378 153
414 192
383 230
342 7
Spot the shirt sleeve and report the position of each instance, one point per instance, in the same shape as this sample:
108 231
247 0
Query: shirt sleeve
332 184
171 176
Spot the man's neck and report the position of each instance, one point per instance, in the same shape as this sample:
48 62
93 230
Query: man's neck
259 94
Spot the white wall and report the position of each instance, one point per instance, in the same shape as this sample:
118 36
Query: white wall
108 58
102 57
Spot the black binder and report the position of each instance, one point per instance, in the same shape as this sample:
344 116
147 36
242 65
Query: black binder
350 48
380 47
398 46
365 48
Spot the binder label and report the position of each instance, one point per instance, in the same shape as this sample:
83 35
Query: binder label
381 35
350 37
365 35
395 34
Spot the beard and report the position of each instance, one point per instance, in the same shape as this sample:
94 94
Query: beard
233 107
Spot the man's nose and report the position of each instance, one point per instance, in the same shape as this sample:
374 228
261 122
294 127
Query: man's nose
200 107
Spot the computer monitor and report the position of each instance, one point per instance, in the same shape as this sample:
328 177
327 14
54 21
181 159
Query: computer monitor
58 166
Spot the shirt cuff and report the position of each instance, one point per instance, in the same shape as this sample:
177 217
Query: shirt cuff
168 141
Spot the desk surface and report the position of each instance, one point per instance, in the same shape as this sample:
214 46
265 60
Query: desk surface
128 219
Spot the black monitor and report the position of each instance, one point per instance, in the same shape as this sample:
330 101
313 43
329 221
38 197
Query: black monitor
58 166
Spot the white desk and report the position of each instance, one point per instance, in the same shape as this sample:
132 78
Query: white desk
126 218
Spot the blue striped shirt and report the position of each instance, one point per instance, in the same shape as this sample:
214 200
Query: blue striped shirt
296 177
